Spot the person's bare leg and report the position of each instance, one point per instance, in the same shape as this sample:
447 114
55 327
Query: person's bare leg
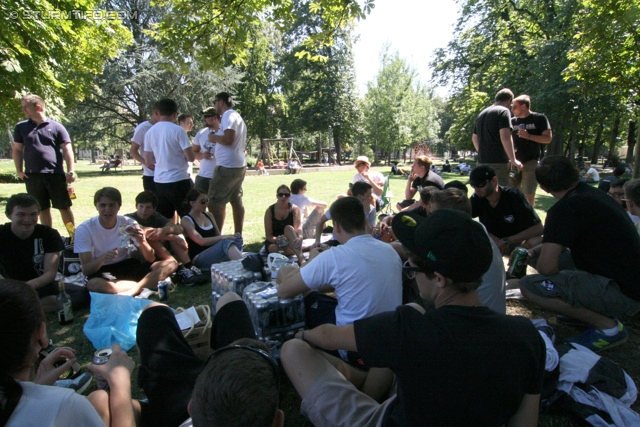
291 235
45 217
180 253
559 306
234 252
238 215
67 216
161 251
531 198
218 213
122 287
303 365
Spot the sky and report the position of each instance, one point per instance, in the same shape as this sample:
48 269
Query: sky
415 28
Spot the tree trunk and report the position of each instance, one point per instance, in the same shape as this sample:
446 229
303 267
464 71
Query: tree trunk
636 164
319 147
631 142
337 144
598 142
614 138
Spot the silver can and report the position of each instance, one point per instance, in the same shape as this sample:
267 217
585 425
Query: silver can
101 357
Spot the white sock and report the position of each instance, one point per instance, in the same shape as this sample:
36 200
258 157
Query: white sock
610 332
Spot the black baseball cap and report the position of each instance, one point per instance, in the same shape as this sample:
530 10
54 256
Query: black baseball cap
449 241
481 174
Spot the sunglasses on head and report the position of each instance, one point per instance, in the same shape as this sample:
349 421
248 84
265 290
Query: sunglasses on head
284 194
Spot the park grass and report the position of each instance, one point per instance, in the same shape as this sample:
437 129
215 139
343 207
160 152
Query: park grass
259 193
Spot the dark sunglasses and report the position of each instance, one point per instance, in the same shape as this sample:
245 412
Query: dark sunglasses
284 194
410 270
204 201
479 185
266 356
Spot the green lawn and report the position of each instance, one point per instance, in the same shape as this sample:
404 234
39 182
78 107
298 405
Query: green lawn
259 193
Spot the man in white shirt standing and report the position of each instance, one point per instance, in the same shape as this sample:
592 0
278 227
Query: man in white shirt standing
226 183
168 150
203 149
137 151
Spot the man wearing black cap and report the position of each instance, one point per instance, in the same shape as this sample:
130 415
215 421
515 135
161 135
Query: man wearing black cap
459 353
505 211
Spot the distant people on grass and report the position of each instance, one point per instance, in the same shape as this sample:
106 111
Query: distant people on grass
605 249
30 252
591 174
226 184
41 148
492 137
206 245
311 210
531 131
116 256
283 226
421 176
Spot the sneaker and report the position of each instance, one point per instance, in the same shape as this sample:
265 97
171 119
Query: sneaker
78 384
200 276
187 276
595 340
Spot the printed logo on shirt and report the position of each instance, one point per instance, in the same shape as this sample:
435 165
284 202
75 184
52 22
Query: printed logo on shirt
509 219
548 285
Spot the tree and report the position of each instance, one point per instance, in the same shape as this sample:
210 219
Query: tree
54 49
217 31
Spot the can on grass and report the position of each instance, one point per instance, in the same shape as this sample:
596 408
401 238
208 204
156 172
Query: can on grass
101 357
518 266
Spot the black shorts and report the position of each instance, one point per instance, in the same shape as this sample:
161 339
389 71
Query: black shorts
148 184
129 269
171 197
49 189
168 366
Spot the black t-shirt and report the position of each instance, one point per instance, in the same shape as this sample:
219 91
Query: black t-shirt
456 366
42 145
430 179
535 124
600 234
512 214
487 127
154 221
24 259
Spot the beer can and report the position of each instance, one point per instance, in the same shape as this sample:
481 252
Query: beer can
163 292
518 267
101 357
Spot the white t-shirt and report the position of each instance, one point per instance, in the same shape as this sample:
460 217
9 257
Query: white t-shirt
167 141
492 291
93 237
301 201
232 156
48 406
206 165
594 174
376 177
138 137
365 273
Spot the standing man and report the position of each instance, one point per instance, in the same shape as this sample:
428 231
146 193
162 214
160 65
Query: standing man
167 148
492 137
137 151
531 130
185 121
203 149
42 144
226 184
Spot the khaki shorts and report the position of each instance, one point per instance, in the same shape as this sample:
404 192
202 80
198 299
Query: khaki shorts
226 185
583 290
332 401
525 180
502 172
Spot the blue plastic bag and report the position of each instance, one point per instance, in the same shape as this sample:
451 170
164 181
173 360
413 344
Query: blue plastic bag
113 319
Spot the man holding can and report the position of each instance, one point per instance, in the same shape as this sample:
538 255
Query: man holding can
531 131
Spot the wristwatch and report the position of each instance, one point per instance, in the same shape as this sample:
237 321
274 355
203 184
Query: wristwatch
71 173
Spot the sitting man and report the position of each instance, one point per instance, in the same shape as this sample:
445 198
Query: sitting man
237 386
105 249
421 176
30 252
505 212
299 198
375 179
591 175
632 194
434 354
616 190
112 163
158 230
364 273
606 182
605 248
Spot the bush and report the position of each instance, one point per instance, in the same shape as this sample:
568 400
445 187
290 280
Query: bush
9 178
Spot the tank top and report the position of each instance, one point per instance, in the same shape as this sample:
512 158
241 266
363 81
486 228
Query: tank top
210 231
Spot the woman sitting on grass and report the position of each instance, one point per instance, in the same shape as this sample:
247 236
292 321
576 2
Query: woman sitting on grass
206 245
26 395
283 227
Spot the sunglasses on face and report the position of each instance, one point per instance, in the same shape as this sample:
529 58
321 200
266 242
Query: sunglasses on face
284 194
481 185
410 270
203 201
